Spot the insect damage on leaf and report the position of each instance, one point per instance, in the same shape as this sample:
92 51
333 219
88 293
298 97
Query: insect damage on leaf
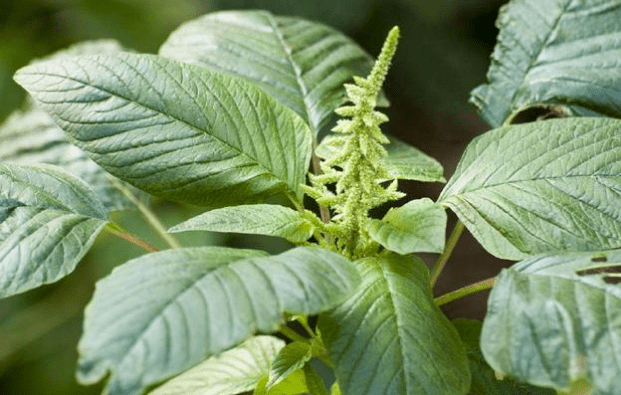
611 271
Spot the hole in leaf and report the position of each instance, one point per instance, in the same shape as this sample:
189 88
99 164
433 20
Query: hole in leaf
598 270
612 279
601 258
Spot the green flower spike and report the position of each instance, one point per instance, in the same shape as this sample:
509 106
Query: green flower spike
358 170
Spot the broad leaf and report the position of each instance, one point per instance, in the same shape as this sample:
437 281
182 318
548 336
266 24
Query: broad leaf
389 338
541 187
163 313
237 370
554 52
175 130
262 219
291 358
403 162
484 380
31 136
556 319
300 63
417 226
48 220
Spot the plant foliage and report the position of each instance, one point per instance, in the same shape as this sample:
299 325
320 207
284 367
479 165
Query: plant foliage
231 116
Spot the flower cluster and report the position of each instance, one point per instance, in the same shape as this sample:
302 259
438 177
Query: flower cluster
357 171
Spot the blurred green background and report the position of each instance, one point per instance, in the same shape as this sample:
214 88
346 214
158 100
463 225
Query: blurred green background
443 54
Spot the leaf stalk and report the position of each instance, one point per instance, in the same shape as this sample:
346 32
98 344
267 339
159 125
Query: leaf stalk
465 291
446 254
292 335
116 230
149 216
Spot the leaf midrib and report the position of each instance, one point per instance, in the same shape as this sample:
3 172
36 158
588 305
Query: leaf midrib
173 300
193 127
535 58
296 70
501 184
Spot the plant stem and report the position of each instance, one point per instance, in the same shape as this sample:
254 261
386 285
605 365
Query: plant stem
291 334
151 218
120 232
296 203
465 291
446 254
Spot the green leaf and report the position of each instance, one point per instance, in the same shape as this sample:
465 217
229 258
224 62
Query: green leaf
175 130
335 390
236 370
417 226
294 384
554 52
403 162
389 338
541 187
31 136
48 220
314 382
291 358
260 389
554 320
300 63
262 219
484 381
163 313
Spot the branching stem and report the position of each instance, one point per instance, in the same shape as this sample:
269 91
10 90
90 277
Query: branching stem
150 217
446 254
465 291
293 335
135 240
296 202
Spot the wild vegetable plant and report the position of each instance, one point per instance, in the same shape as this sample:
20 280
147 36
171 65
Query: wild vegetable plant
236 110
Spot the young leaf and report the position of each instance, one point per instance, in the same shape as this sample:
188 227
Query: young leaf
291 358
175 130
262 219
541 187
294 384
236 370
417 226
31 136
302 64
163 313
48 220
484 380
403 161
559 52
389 338
553 321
